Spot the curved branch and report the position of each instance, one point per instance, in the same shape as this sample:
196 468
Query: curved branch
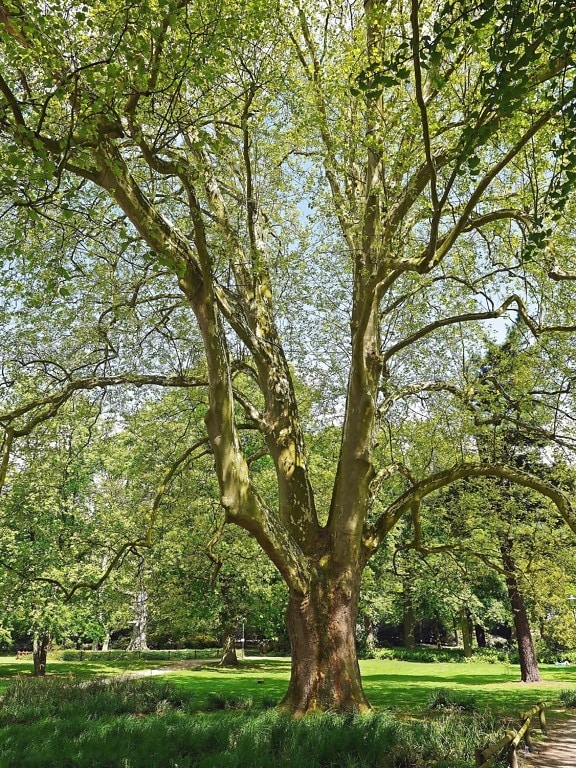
424 386
52 403
454 320
374 535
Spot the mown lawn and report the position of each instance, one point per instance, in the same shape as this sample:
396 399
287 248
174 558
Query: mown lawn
400 686
86 670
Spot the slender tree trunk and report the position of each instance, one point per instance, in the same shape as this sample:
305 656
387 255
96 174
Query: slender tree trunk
455 628
528 662
466 628
140 627
480 633
437 630
106 641
369 634
40 652
409 621
325 672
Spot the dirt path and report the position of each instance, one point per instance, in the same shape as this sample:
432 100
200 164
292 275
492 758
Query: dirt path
138 673
557 750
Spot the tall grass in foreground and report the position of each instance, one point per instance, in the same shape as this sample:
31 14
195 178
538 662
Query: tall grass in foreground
143 723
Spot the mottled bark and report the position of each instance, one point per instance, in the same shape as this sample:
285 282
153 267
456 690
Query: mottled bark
139 641
229 657
528 661
40 652
321 625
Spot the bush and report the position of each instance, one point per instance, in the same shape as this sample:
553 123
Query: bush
427 655
444 655
167 655
568 698
443 698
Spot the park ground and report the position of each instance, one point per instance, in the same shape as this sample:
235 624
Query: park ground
400 691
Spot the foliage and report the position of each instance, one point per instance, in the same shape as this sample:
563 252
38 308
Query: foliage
445 655
149 655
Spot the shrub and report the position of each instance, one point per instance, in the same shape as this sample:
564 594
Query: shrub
444 655
568 698
427 655
442 698
150 655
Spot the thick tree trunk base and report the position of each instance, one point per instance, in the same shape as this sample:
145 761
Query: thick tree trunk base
229 656
325 674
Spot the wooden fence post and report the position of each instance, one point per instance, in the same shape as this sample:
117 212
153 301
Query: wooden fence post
512 757
528 739
543 720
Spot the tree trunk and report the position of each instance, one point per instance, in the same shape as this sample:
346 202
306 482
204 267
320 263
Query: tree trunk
370 637
229 656
455 629
325 673
466 628
140 626
40 652
437 630
480 633
409 621
528 662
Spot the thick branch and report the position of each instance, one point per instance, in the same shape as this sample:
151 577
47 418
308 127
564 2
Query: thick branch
374 535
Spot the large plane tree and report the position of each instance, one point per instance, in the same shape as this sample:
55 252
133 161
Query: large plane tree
338 193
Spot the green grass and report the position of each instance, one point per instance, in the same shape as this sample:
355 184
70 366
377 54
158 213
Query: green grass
57 723
87 670
399 686
216 718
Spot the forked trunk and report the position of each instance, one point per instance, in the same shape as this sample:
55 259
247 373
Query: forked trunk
325 672
40 652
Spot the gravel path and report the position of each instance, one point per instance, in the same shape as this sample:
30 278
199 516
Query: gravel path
557 750
137 673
